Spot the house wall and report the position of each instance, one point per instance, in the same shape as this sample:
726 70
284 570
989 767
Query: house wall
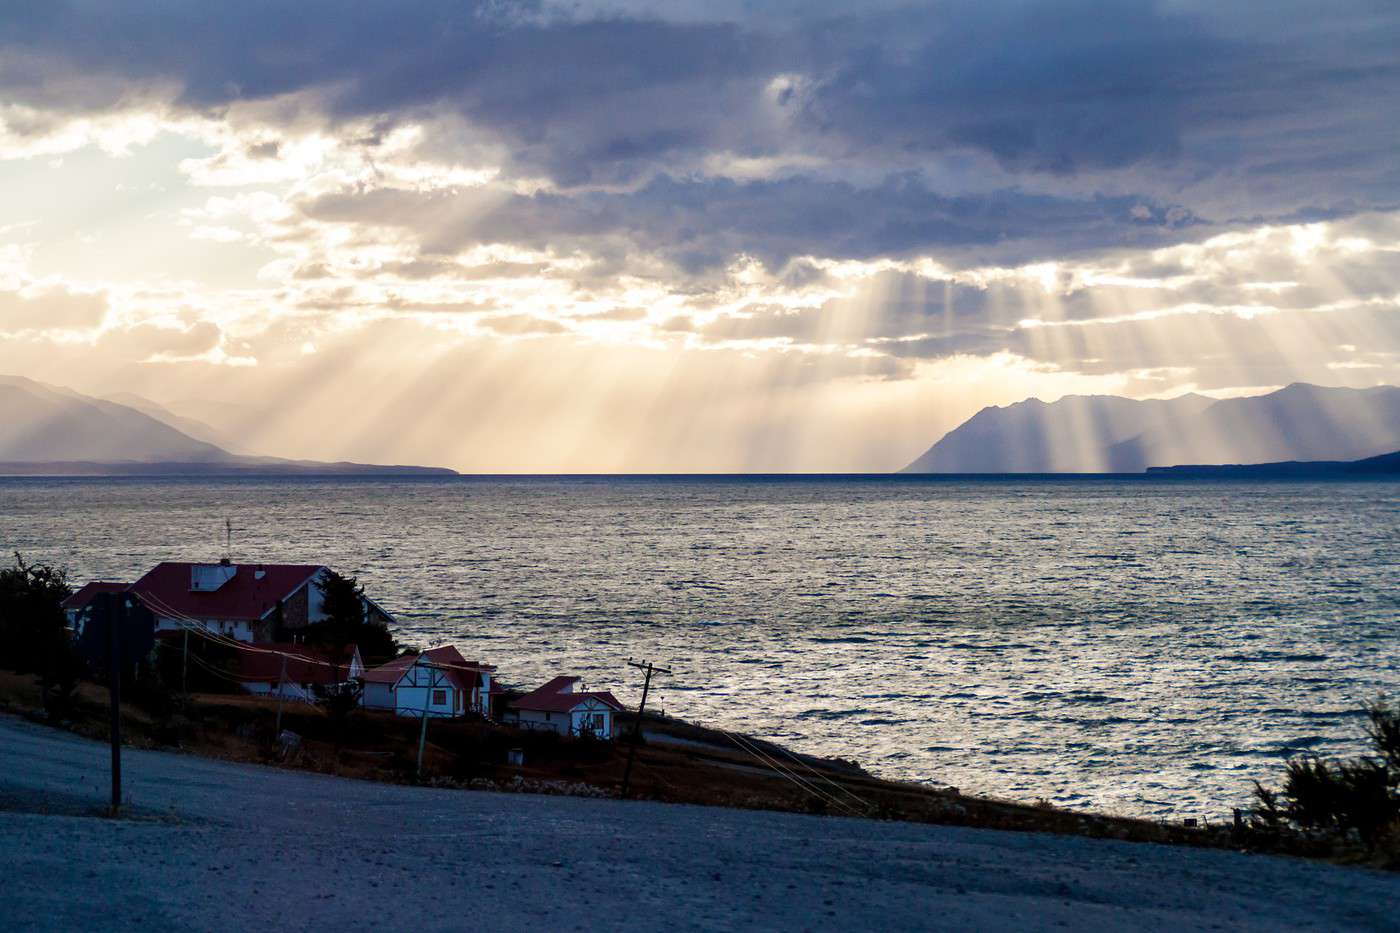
409 700
483 695
301 693
314 603
570 723
302 607
558 722
582 717
238 631
377 696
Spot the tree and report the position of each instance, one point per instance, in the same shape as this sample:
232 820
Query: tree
343 602
34 631
32 621
348 620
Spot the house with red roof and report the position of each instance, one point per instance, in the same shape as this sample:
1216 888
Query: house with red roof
438 682
294 671
74 606
561 707
245 602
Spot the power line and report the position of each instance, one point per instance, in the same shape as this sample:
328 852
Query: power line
790 775
845 790
187 623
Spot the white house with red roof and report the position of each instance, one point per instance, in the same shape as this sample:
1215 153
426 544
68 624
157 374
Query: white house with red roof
240 601
560 707
438 682
294 671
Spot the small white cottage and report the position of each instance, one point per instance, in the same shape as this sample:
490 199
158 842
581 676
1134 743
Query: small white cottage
559 707
438 682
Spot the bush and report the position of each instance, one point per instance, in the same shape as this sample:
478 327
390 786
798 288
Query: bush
59 683
1339 799
339 701
33 626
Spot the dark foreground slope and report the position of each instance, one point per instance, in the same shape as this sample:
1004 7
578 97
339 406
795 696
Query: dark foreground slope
212 845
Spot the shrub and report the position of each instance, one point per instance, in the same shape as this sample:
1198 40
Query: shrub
339 701
59 682
33 627
1338 798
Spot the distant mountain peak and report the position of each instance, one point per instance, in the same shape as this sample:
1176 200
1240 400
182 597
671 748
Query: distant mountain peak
51 429
1112 434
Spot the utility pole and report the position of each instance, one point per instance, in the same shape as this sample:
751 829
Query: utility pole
650 669
423 729
185 665
281 685
116 614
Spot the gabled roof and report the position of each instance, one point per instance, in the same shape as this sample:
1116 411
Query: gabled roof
554 697
253 591
306 664
83 598
447 657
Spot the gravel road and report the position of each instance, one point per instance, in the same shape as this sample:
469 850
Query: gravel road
215 846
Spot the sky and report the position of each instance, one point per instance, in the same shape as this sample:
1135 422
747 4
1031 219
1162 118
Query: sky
719 236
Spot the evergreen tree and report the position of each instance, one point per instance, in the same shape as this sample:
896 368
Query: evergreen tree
347 621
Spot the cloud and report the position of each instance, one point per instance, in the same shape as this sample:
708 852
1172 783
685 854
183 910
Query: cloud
1128 195
588 97
521 325
699 225
50 309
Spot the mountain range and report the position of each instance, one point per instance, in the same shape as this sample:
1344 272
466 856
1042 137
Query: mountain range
1109 434
47 429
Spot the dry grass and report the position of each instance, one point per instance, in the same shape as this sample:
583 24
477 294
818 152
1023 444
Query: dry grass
709 769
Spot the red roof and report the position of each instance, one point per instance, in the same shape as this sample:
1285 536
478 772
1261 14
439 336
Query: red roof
447 657
84 596
559 685
305 665
252 592
554 697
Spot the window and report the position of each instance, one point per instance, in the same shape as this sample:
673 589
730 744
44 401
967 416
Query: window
598 721
439 697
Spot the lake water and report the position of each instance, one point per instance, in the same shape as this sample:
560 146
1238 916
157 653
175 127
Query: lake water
1139 646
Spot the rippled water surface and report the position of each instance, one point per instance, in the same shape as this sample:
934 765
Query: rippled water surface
1141 646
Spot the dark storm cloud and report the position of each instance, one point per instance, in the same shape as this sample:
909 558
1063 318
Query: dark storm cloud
1227 112
702 224
1065 87
582 100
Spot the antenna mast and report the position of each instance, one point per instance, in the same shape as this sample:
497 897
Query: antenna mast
228 540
